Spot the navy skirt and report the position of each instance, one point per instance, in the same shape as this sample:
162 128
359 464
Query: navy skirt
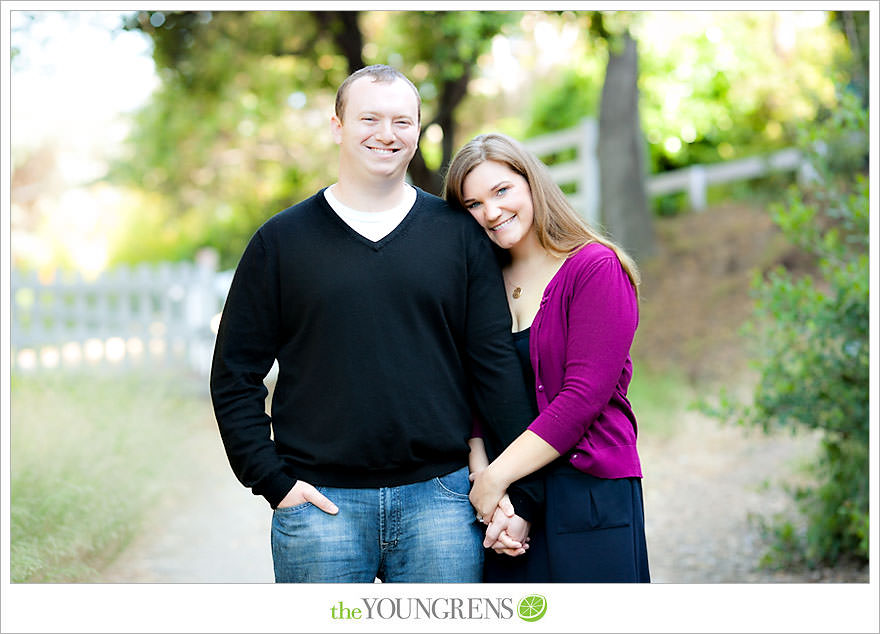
592 531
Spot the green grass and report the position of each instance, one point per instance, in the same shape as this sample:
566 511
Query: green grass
90 453
659 398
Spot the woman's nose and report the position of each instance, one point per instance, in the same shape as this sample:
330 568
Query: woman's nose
492 211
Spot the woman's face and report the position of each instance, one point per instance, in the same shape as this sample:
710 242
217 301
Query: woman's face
501 201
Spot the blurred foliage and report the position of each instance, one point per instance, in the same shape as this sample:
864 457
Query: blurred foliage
238 128
855 28
439 51
811 341
714 86
574 93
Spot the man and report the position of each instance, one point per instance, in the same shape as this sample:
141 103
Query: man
386 313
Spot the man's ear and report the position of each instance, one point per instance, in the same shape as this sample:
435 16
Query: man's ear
336 129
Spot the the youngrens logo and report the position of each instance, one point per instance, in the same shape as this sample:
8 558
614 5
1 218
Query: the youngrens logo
530 608
439 608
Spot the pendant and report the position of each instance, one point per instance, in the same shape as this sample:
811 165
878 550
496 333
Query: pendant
516 292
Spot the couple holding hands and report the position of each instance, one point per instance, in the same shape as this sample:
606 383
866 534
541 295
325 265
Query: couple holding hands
451 401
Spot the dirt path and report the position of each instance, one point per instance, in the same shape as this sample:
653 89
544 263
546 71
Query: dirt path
700 486
213 531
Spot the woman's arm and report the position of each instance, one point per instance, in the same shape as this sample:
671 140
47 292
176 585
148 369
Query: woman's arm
527 453
602 317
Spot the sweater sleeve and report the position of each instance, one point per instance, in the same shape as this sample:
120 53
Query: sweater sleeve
498 392
245 349
602 320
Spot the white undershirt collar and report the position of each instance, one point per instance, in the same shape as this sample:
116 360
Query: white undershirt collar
373 225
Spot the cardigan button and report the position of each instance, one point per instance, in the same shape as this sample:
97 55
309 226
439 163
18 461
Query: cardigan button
540 388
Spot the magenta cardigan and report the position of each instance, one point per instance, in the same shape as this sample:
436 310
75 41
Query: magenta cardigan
579 348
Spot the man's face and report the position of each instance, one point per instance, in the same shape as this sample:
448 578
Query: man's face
379 132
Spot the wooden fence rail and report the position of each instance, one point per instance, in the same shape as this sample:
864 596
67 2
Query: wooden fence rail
583 170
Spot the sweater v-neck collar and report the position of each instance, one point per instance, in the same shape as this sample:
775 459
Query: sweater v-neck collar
378 244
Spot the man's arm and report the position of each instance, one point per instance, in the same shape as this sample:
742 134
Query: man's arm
498 392
244 352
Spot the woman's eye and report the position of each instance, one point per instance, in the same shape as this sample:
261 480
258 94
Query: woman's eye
501 191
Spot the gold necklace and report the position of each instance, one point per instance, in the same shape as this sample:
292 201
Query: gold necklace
516 292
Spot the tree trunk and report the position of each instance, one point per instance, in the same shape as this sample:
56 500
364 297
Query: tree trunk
424 177
452 91
624 199
346 32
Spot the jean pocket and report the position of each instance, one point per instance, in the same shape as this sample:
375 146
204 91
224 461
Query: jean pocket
455 484
293 509
597 505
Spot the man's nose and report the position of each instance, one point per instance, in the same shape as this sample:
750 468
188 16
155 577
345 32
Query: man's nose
385 131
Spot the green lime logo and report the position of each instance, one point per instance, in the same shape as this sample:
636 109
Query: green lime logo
532 607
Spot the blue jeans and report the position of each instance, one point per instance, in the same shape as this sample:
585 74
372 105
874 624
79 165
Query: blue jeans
415 533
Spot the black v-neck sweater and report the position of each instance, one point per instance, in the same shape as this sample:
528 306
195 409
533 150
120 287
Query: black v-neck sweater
385 351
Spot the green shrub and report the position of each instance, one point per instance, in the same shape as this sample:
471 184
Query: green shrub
810 334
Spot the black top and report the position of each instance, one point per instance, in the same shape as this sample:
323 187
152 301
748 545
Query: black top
384 351
521 343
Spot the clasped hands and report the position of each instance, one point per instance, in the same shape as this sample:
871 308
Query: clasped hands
506 531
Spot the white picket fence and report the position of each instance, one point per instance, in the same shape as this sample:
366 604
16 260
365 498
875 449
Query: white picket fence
583 170
165 313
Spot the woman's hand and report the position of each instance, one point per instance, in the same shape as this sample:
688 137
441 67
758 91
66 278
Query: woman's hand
507 534
528 453
487 492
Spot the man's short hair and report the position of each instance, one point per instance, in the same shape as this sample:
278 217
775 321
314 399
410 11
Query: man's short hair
379 72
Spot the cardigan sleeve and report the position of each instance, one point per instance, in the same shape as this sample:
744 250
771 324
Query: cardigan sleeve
601 314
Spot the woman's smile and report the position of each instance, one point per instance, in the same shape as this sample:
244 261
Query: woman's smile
504 224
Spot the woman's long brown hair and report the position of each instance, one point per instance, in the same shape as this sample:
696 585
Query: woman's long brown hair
559 228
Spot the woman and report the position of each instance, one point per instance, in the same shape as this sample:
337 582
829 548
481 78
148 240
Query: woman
573 299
